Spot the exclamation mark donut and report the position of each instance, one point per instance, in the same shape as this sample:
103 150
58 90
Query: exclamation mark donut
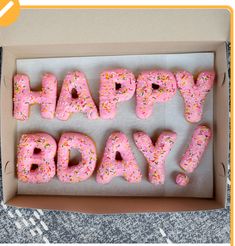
193 154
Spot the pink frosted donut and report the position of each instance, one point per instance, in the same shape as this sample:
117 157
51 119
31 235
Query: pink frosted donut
115 86
192 156
75 97
23 96
35 158
118 160
155 86
85 167
182 179
155 154
194 94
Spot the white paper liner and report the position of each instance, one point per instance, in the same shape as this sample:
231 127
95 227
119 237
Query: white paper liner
166 116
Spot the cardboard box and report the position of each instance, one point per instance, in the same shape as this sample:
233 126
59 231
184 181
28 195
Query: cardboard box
90 32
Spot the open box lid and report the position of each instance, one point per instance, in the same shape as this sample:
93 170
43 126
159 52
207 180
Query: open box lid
73 26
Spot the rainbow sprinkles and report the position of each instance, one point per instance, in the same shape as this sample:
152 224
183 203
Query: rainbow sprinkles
116 86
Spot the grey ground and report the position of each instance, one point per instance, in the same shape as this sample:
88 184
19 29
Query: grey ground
37 226
190 227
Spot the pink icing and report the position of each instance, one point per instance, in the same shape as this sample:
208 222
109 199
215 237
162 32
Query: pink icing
125 166
23 96
194 93
155 86
115 86
43 161
80 102
192 156
182 179
155 154
85 167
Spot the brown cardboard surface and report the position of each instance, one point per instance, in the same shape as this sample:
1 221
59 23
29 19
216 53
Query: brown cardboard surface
74 26
92 49
221 124
107 205
8 125
204 30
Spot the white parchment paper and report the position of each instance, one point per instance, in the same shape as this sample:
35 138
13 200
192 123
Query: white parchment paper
168 116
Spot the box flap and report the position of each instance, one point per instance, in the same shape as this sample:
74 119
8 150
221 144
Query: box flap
74 26
113 205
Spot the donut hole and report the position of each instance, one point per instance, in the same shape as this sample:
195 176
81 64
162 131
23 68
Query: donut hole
34 167
75 157
74 93
37 151
155 86
118 86
118 156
